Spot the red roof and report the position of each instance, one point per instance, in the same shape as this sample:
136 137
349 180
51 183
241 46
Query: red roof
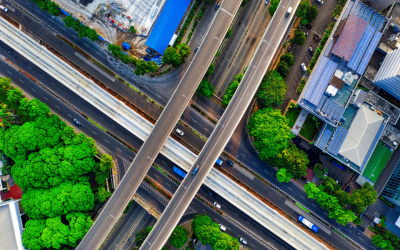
349 37
309 174
15 192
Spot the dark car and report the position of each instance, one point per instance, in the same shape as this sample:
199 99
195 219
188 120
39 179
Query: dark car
229 162
217 6
310 50
360 228
347 189
211 194
197 48
77 123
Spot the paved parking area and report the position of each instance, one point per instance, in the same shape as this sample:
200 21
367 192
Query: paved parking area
301 53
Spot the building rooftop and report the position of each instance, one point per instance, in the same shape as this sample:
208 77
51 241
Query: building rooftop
391 136
349 37
11 226
360 136
396 14
392 111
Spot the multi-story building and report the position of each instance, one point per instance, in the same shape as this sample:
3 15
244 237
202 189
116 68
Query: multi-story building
392 188
353 121
388 76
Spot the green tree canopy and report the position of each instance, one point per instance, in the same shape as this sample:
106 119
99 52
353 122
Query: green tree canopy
230 91
205 89
283 175
229 33
270 132
302 9
210 70
312 13
293 159
272 89
288 58
272 8
179 237
183 49
363 197
283 69
141 236
172 57
299 37
52 233
56 201
132 29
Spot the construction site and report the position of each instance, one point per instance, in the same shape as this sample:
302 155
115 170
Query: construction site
113 18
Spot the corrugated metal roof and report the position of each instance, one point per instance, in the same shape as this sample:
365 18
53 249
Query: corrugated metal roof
336 82
11 226
361 134
349 37
166 25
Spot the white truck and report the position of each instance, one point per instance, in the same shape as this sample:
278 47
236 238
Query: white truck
289 10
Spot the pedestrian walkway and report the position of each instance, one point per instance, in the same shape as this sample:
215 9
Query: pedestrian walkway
299 122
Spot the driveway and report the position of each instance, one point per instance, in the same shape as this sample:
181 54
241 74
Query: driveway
301 54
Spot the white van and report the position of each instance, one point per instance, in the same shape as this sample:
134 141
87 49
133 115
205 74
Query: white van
222 227
289 10
217 205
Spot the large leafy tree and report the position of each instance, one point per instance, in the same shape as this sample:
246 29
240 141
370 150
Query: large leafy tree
56 201
312 13
183 49
283 69
288 58
273 7
205 89
141 236
230 91
179 237
293 159
299 37
302 9
283 175
53 233
270 132
272 89
363 197
208 232
330 203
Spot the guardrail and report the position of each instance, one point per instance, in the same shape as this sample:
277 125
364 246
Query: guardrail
137 125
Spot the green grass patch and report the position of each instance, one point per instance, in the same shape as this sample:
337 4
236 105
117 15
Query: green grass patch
100 127
310 128
377 162
300 206
292 115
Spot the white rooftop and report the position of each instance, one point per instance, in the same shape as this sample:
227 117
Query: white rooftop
361 134
10 226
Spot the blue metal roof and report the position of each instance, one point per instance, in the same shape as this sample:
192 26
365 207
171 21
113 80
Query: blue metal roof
126 46
166 25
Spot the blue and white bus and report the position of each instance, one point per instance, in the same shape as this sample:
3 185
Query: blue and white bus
179 171
308 223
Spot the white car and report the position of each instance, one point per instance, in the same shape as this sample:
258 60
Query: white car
179 131
217 205
243 241
303 66
320 1
222 227
3 8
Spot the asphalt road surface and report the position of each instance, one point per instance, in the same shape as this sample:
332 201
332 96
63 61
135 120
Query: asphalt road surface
119 151
225 128
163 127
239 145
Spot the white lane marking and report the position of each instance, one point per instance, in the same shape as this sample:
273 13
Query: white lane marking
302 196
164 162
254 163
57 107
20 80
107 141
9 72
33 89
290 188
167 184
69 115
45 98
